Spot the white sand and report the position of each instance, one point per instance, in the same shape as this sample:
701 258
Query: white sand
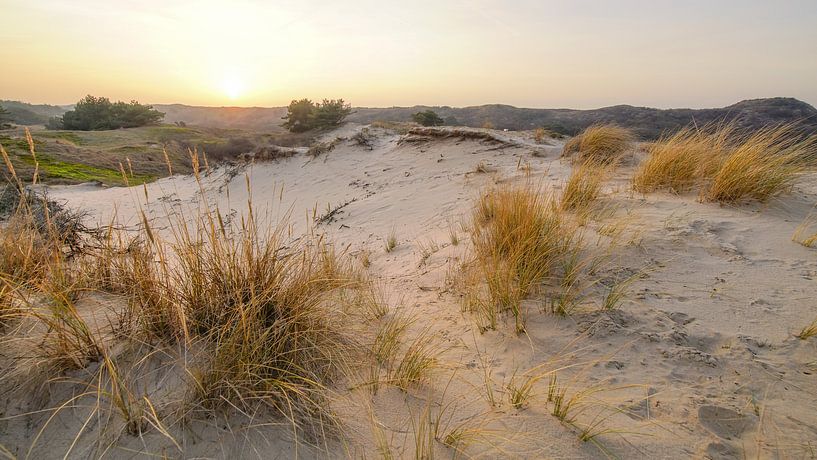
702 350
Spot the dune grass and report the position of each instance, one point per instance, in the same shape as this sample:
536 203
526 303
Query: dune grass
583 187
762 165
727 165
391 241
519 237
601 143
804 234
262 314
679 162
808 331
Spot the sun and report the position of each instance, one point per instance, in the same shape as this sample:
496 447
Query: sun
233 87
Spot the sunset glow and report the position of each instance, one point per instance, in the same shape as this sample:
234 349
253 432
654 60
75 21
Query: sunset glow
526 53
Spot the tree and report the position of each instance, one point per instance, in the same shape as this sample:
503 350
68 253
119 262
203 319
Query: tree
299 116
54 123
331 112
98 113
428 118
303 115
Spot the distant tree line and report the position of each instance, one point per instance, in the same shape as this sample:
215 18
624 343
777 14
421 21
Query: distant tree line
99 113
303 115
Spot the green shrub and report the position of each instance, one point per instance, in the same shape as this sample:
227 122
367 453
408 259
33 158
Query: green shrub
303 115
99 113
428 118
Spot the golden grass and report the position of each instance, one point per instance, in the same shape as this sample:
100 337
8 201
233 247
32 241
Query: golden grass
583 187
391 241
727 165
602 143
519 236
540 135
808 331
24 251
679 162
417 363
803 234
764 164
261 313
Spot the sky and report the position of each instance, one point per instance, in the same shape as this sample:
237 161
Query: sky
527 53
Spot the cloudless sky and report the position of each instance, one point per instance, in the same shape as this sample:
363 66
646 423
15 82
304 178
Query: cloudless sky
529 53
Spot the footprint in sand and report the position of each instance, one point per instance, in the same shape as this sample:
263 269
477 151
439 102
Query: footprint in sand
723 422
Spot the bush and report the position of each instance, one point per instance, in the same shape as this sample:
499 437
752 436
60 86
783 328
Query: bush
54 124
99 113
428 118
303 115
234 147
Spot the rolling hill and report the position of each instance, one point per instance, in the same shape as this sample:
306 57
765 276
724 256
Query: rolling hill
648 123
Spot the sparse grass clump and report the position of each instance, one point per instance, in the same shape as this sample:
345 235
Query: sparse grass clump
540 135
267 309
604 144
391 241
583 187
419 359
803 234
808 331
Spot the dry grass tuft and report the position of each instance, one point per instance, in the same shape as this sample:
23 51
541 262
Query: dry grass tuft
604 144
583 187
519 237
417 363
391 241
808 331
679 162
762 165
803 235
727 165
269 310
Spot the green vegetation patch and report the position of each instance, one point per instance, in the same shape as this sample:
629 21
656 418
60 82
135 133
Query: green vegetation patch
77 172
17 143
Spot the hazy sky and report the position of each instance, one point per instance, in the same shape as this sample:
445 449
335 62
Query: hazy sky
537 53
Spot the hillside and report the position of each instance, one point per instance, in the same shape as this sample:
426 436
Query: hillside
647 122
253 118
23 113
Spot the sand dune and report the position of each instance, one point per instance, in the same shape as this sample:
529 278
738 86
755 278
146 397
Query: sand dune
700 359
